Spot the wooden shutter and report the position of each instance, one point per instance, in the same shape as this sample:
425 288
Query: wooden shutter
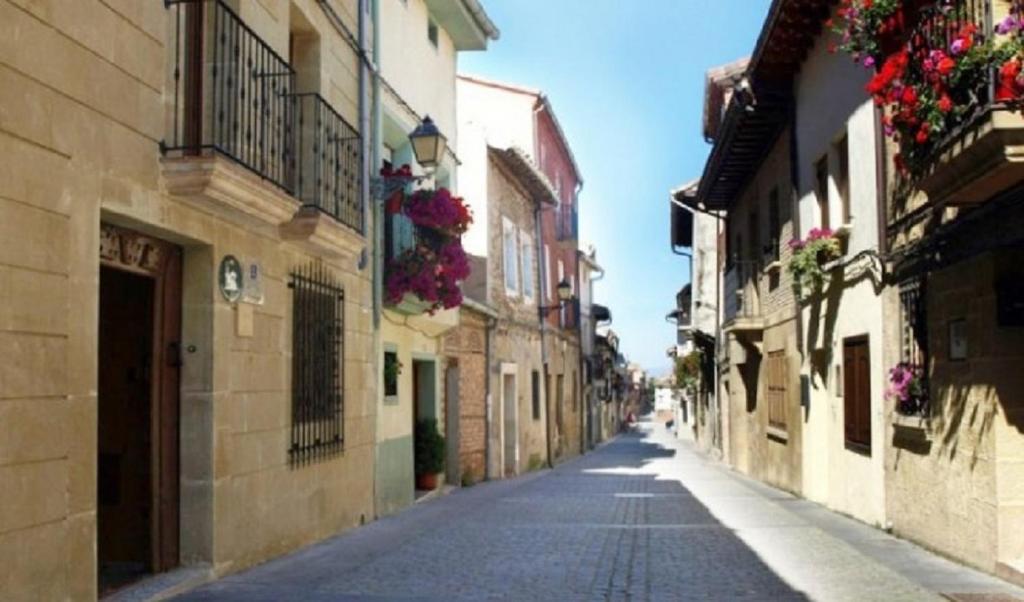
857 392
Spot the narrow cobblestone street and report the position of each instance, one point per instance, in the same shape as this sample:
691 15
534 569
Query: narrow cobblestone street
642 518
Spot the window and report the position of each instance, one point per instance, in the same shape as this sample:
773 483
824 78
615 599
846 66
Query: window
775 385
913 323
547 272
511 263
842 151
821 189
774 225
526 251
392 368
317 354
535 392
432 32
857 394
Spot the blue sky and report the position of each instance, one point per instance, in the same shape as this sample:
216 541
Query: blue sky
626 80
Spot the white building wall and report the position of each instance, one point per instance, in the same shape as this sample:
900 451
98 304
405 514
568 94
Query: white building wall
831 101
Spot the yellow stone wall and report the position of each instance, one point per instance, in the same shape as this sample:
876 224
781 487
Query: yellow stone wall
82 110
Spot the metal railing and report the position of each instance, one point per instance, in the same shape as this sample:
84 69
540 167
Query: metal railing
937 26
232 92
566 223
742 291
235 96
329 166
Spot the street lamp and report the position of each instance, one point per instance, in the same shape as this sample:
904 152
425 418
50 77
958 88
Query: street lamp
564 290
428 143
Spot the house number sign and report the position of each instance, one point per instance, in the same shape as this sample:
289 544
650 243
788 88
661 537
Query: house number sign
230 277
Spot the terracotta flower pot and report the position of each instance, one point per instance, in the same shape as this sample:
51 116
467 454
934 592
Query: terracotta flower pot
427 482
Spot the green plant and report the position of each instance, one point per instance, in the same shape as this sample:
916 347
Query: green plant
428 450
392 368
809 256
688 370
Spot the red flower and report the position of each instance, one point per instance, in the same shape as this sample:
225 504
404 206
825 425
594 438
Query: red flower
909 97
945 103
946 66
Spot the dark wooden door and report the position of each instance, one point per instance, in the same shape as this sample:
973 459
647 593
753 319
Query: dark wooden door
857 393
138 406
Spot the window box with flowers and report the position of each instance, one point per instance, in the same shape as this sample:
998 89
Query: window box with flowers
908 391
939 73
808 263
425 276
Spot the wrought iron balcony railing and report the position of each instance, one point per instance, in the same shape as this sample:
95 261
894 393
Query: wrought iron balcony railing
233 95
329 162
567 223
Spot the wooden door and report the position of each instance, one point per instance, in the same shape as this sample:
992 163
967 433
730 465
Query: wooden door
857 393
138 406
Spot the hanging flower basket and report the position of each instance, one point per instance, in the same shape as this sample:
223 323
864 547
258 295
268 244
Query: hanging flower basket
810 255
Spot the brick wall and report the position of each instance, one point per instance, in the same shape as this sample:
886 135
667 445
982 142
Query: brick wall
467 345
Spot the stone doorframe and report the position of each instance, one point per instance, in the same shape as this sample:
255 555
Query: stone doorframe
195 385
509 422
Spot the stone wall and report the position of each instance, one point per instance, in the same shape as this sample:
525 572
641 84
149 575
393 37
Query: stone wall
82 88
954 482
773 455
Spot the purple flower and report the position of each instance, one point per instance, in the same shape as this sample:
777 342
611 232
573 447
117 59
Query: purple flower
957 47
869 61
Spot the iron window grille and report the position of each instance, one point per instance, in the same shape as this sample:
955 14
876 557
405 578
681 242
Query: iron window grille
318 327
914 329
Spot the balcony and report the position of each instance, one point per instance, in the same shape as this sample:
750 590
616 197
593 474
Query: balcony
242 142
742 298
566 223
400 236
984 155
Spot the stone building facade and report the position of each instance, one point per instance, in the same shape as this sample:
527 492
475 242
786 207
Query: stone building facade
517 117
127 272
929 276
955 237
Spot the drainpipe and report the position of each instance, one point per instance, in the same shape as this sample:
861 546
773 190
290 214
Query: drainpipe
488 329
579 356
369 121
541 318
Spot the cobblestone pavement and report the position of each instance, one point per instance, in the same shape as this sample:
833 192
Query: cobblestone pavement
643 517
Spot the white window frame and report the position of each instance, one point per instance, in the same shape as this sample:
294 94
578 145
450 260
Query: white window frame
510 264
526 259
546 281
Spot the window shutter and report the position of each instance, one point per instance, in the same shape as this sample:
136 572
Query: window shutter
849 392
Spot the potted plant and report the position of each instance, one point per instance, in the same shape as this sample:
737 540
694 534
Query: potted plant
809 257
908 389
428 454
